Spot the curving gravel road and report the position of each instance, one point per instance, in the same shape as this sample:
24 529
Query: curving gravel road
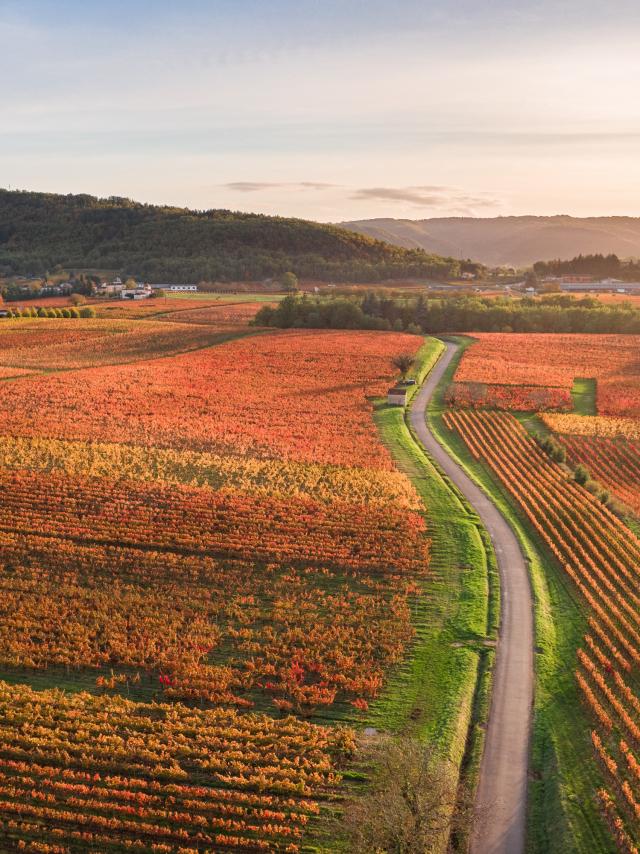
502 789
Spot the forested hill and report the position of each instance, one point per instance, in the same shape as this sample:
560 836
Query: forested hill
39 231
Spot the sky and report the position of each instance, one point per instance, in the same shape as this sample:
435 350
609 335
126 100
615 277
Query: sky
326 109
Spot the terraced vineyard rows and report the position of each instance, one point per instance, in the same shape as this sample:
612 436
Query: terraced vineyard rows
601 556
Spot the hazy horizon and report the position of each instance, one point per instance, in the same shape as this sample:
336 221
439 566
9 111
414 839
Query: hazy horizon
332 111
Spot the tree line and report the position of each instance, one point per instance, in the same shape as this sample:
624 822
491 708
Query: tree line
425 314
599 266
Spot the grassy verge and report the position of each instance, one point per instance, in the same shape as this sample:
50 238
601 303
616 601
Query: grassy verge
584 396
563 817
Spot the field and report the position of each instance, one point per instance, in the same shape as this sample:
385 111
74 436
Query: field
584 561
299 396
538 372
85 773
611 299
43 344
223 560
174 306
206 545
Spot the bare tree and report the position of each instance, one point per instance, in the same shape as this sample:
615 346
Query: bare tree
403 363
412 805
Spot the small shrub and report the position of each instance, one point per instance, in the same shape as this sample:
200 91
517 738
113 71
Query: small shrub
581 475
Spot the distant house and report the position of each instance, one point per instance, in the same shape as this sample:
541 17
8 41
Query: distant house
62 289
110 289
397 396
575 279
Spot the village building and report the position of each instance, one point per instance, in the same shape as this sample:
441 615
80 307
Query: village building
110 289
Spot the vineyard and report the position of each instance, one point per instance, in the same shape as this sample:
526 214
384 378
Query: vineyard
83 773
537 372
298 395
42 344
598 426
601 557
613 463
212 553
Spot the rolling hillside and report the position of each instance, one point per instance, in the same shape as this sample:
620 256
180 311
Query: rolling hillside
513 240
41 230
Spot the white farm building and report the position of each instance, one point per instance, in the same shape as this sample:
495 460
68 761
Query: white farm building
175 288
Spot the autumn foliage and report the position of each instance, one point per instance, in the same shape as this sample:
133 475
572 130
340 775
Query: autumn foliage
499 365
91 773
218 533
299 395
614 463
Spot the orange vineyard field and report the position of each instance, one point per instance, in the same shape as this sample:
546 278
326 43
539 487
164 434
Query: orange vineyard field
212 554
59 344
601 558
597 425
83 773
537 372
296 395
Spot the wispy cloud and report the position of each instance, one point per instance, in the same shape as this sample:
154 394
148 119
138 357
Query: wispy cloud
434 197
427 196
259 186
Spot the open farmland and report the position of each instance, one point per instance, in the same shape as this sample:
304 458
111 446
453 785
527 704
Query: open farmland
212 553
80 773
608 448
613 463
174 306
222 314
538 371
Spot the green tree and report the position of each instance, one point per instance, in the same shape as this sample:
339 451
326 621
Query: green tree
289 282
581 474
403 362
412 805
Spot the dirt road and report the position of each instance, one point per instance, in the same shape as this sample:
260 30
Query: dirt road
502 789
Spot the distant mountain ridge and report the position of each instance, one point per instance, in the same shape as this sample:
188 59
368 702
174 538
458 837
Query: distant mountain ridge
510 240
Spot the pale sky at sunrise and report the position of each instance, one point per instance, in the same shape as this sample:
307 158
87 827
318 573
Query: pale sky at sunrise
327 109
